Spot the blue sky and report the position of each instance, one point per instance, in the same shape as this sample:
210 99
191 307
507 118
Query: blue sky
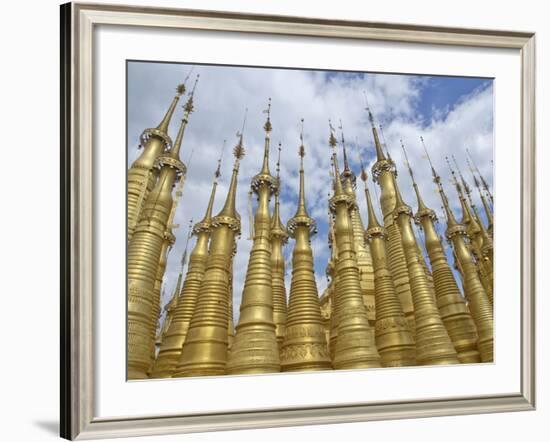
451 113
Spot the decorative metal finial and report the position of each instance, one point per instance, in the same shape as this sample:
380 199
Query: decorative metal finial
218 173
434 173
267 125
238 150
454 179
188 107
364 175
332 138
371 118
302 149
407 163
465 185
385 143
278 165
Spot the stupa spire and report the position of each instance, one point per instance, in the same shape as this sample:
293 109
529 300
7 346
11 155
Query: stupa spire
188 109
393 337
478 301
451 305
205 349
486 207
229 208
180 90
483 181
254 349
433 343
354 345
267 128
420 201
304 345
145 249
301 210
378 146
279 237
173 342
451 220
480 242
141 175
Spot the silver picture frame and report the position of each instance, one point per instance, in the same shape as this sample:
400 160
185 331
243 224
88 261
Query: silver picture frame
78 21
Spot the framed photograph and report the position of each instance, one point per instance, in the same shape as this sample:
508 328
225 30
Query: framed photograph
276 220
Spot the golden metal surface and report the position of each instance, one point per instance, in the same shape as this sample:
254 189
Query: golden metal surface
279 237
205 349
172 344
433 344
478 302
304 347
382 173
393 336
354 346
144 253
362 251
140 177
452 308
255 348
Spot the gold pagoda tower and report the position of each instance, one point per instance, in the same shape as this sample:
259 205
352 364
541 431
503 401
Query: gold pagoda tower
383 172
279 237
393 336
487 189
141 176
174 339
480 240
304 347
205 348
362 252
478 302
433 345
354 346
255 348
144 254
452 308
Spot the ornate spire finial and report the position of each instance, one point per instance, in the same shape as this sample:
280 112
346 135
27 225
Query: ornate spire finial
485 185
332 139
180 90
371 118
465 185
457 185
238 150
204 224
451 220
267 144
421 205
218 173
385 143
277 228
373 221
347 169
188 107
278 166
482 198
267 125
379 151
184 254
301 211
229 209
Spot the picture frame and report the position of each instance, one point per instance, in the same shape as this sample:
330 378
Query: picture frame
78 24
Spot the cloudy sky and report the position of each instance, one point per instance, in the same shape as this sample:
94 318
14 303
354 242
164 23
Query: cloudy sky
451 113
